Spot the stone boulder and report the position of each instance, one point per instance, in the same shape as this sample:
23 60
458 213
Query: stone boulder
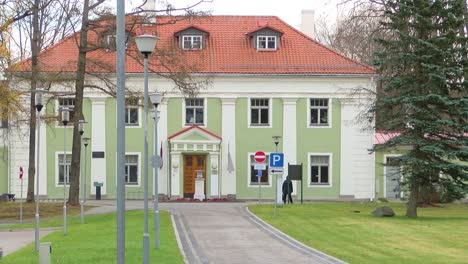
383 211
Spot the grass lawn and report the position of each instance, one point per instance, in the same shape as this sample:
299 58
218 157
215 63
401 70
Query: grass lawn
349 232
11 210
95 241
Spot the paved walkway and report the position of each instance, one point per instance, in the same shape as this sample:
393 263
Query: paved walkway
12 240
209 233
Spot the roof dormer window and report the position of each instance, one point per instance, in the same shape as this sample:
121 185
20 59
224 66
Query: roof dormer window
109 41
193 42
266 42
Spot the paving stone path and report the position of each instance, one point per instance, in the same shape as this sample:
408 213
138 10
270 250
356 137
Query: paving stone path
208 233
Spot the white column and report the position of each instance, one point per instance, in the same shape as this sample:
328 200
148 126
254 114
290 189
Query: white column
289 136
214 162
98 143
176 164
163 183
228 179
357 173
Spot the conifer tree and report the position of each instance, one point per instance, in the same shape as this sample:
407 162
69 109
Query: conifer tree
424 66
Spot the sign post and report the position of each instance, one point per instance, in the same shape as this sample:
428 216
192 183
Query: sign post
21 196
259 157
259 176
276 168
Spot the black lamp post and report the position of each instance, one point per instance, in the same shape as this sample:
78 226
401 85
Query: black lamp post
39 106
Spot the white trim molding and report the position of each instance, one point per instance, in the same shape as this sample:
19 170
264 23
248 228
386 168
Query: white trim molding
330 170
330 111
270 178
385 156
290 135
270 111
228 179
56 168
139 170
205 113
98 143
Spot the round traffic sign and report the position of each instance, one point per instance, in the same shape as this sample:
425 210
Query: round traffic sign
259 156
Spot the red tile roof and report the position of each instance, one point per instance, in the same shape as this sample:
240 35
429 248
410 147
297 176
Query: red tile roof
381 137
228 49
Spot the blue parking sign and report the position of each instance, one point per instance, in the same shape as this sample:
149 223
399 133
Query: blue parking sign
277 160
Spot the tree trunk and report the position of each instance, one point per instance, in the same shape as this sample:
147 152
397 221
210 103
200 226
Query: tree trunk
32 110
412 204
74 194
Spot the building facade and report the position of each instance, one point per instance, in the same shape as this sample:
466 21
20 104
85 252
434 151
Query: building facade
265 79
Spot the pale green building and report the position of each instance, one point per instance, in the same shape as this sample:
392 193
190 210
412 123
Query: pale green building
266 79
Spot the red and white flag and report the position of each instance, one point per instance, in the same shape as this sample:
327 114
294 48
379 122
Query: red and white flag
161 156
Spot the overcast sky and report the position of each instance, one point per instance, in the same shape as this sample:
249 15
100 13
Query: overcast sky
288 10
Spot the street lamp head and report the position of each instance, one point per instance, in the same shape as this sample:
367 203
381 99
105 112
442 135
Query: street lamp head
86 141
276 139
146 43
38 99
156 99
65 116
81 123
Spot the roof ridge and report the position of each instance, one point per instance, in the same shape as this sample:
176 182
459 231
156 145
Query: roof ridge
324 46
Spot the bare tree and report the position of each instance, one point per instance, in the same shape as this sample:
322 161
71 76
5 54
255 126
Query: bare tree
29 28
169 59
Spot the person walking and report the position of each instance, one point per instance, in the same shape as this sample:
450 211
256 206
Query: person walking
287 190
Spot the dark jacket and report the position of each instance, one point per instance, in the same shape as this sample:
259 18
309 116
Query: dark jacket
285 186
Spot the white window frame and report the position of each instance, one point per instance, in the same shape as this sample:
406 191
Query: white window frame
192 40
205 113
139 115
385 173
138 169
59 124
266 40
110 41
270 113
57 153
330 114
330 170
249 185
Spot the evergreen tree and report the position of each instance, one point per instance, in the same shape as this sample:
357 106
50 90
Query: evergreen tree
425 86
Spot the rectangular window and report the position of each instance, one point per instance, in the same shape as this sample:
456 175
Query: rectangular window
131 169
320 170
68 103
194 111
266 42
64 166
259 112
192 42
4 123
110 41
392 178
264 180
319 112
131 112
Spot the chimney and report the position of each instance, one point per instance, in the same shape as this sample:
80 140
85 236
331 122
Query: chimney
308 23
150 5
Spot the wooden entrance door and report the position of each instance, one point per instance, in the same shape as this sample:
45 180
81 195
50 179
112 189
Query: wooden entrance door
192 163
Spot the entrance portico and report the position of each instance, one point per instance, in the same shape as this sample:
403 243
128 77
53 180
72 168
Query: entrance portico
194 149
